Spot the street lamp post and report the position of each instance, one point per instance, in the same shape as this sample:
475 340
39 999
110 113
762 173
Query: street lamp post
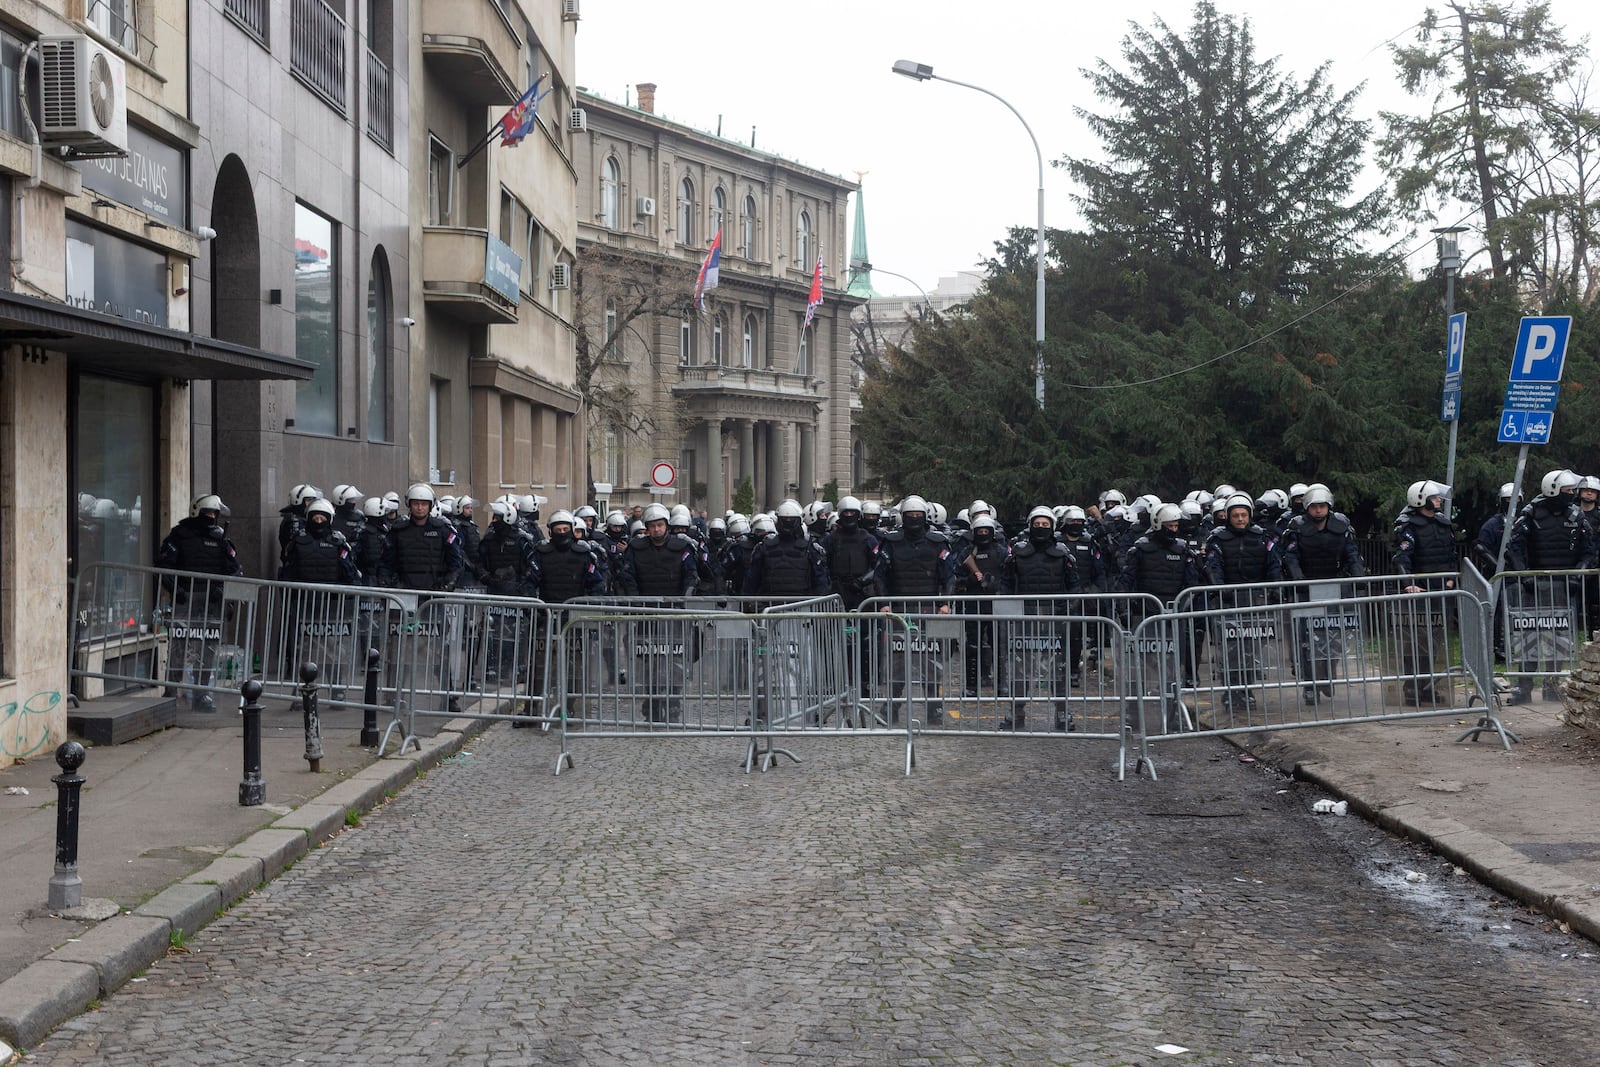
922 72
867 268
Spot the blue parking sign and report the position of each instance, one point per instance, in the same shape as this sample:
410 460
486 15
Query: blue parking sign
1541 348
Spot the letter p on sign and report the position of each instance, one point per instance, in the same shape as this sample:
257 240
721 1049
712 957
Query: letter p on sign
1541 348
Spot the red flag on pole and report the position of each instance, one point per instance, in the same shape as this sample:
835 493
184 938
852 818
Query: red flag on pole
814 300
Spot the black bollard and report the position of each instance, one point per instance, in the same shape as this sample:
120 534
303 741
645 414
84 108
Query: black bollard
66 888
308 697
253 790
369 714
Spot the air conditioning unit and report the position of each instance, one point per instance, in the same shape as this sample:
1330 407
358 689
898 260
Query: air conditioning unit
578 120
561 276
569 10
647 206
83 95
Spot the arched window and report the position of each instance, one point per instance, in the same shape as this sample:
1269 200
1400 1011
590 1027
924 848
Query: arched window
719 210
686 212
610 184
802 242
747 229
749 352
719 326
380 316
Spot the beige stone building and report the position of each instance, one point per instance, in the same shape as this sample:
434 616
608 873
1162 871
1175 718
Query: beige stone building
737 389
494 405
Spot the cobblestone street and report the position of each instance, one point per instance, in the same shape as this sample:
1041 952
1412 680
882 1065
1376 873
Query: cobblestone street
1008 903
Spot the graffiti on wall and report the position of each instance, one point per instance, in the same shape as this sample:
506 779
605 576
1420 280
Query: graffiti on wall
25 727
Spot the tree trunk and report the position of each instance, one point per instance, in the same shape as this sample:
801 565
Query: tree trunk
1480 152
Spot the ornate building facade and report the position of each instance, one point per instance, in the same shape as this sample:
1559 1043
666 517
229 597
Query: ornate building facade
739 389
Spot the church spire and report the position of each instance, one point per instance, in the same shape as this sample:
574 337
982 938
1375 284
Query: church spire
860 265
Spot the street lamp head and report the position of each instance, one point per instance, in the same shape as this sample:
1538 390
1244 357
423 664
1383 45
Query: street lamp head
916 71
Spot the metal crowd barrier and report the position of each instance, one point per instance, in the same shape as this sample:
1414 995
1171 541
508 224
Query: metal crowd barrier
1296 655
1544 618
333 626
474 656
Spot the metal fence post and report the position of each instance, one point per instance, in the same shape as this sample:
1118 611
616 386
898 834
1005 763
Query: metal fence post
252 789
66 888
369 697
308 697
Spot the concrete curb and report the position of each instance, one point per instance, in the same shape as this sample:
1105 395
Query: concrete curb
1492 862
50 991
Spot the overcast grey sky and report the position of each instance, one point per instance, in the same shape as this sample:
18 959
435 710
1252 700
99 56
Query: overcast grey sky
947 168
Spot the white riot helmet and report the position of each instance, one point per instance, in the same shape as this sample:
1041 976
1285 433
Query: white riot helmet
465 504
373 508
1297 490
914 503
979 507
1589 481
870 507
207 502
1557 482
789 509
510 500
1192 510
1112 497
1073 513
586 513
654 512
739 526
1042 512
421 491
936 513
528 504
850 503
1224 491
763 525
1165 513
984 522
562 515
964 518
447 505
1317 493
305 494
679 516
1508 490
616 518
320 506
503 511
1240 500
337 496
1420 492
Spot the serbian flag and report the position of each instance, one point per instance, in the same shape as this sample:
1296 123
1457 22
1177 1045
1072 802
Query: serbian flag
814 301
518 122
708 271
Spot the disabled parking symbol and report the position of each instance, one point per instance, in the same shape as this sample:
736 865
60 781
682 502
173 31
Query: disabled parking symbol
1511 427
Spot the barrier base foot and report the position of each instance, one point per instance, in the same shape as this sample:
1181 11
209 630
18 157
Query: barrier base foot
565 757
1487 723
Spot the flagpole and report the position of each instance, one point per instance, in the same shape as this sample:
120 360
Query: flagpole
480 146
499 125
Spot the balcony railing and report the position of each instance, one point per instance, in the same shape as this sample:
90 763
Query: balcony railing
712 376
119 22
250 15
317 51
380 102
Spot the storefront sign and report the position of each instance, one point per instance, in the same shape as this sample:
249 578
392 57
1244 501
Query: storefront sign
114 276
151 177
502 269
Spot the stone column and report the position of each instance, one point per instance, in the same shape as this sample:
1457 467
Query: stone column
714 503
777 481
747 450
808 480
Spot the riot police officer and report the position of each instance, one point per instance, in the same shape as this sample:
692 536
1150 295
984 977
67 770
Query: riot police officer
1241 552
1424 544
1549 535
197 545
917 561
348 516
319 554
1042 565
1320 544
787 563
422 552
850 553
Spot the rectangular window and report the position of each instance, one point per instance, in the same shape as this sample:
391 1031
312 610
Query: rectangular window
438 424
613 458
379 316
441 181
112 481
686 342
316 320
533 263
802 359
